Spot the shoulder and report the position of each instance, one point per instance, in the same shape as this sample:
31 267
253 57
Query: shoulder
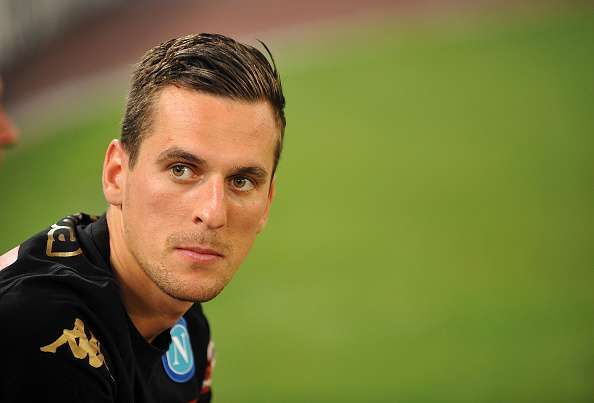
49 270
47 294
38 302
51 346
62 242
36 314
57 308
43 301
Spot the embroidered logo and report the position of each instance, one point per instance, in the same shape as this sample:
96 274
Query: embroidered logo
85 347
178 361
61 239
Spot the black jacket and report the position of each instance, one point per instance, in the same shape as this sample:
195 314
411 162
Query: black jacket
65 334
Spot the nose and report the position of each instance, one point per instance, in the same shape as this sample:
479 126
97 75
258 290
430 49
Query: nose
211 209
8 133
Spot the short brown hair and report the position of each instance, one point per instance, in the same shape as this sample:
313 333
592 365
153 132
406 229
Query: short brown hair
209 63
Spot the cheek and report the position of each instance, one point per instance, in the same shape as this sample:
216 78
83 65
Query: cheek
246 218
149 207
149 195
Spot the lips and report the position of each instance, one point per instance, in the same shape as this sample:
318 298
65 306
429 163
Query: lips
198 254
201 250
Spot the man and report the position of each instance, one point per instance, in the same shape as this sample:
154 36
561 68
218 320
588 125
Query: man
8 133
107 309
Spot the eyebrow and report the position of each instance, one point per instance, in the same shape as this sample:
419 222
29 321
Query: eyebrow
178 154
256 172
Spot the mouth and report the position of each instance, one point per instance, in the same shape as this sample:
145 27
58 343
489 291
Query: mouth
198 254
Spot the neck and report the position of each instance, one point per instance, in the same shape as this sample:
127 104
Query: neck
151 310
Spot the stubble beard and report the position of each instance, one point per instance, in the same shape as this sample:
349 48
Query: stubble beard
164 276
168 281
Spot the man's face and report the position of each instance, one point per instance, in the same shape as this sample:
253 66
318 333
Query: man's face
8 133
200 190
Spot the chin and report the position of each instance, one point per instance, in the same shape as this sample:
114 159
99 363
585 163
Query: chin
190 284
185 291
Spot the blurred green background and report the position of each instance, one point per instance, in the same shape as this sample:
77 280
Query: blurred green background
432 236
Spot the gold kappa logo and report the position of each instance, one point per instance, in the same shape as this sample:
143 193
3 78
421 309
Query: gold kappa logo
84 348
61 240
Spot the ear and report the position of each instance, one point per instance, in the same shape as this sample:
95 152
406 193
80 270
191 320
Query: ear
115 169
269 199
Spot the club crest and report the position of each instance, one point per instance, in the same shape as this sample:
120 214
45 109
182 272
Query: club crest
178 362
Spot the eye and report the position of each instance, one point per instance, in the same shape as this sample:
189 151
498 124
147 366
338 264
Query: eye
242 183
180 171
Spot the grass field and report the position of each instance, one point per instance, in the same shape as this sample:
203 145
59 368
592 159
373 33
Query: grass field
432 237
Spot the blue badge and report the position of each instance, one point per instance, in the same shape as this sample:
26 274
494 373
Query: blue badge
178 361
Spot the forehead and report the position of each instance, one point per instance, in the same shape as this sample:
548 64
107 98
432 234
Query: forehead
212 126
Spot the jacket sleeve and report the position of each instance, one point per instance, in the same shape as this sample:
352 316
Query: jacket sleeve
50 354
